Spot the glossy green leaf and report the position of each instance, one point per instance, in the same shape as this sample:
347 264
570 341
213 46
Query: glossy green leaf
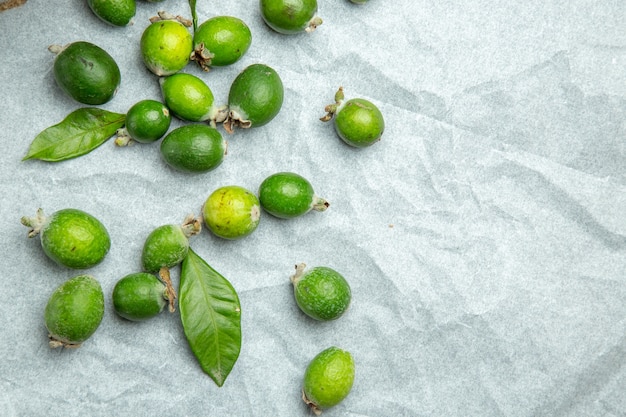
79 133
211 317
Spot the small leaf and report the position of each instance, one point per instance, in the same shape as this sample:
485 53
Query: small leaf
211 317
79 133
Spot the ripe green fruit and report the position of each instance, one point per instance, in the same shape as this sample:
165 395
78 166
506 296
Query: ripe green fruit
166 46
74 311
194 148
114 12
146 121
321 292
287 195
220 41
358 122
70 237
189 98
328 379
86 72
139 296
231 212
255 97
290 16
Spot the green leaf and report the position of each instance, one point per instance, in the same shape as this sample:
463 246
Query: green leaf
211 317
79 133
194 14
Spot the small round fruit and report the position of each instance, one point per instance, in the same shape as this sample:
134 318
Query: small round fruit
220 41
86 72
167 245
189 98
74 311
328 379
290 16
255 97
70 237
321 292
114 12
166 46
194 148
139 296
231 212
287 195
146 121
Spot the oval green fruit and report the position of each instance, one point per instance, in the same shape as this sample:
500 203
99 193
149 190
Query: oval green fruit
139 296
86 72
221 41
166 46
189 98
114 12
290 16
194 148
74 311
255 97
167 245
70 237
321 292
146 121
287 195
328 379
231 212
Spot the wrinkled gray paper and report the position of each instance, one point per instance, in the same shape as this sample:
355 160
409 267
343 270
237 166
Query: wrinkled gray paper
484 237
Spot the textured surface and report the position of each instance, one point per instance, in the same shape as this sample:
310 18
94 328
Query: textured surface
484 237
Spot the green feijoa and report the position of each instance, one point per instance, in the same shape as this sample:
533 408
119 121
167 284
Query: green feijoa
290 16
166 46
287 195
86 72
70 237
189 98
139 296
255 97
359 1
220 41
358 122
74 311
231 212
328 379
146 121
321 292
114 12
194 148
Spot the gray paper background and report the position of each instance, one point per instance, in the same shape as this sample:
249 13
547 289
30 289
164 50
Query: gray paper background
484 237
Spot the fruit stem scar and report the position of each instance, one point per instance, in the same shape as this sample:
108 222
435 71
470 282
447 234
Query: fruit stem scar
164 274
192 225
35 223
313 24
319 204
299 272
311 404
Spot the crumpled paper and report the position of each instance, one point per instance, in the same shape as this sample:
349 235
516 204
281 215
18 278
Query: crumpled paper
483 237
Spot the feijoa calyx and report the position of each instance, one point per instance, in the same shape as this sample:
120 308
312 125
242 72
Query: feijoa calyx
287 195
255 97
86 72
74 311
113 12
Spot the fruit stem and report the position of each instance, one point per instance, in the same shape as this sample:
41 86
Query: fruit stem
313 24
191 226
56 49
164 274
319 204
54 343
35 223
332 109
299 272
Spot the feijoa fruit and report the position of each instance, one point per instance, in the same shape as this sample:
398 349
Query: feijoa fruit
166 46
194 148
287 195
146 121
321 292
220 41
114 12
328 379
231 212
189 98
139 296
290 16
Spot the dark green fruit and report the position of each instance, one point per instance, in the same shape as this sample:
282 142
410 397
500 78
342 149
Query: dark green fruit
114 12
220 41
231 212
139 296
70 237
287 195
328 379
194 148
255 97
86 72
146 121
74 311
290 16
321 293
166 46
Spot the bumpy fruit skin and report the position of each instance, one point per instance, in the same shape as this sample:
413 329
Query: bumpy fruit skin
188 97
255 97
194 148
328 379
87 73
290 16
114 12
231 212
321 292
74 311
359 123
139 296
287 195
166 46
221 41
165 246
147 121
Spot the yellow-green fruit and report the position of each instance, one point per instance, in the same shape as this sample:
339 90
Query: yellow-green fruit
232 212
114 12
328 379
166 46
